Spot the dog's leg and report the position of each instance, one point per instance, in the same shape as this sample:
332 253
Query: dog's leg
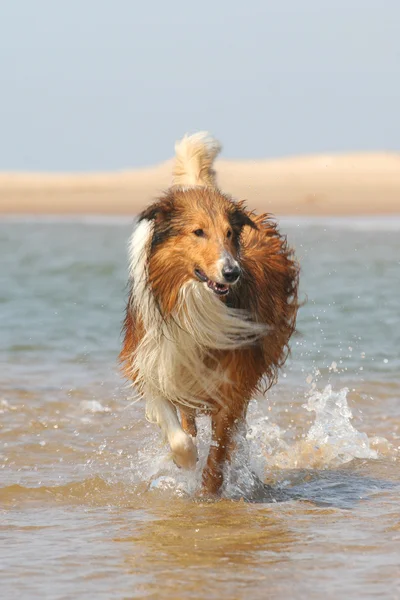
188 421
225 424
161 411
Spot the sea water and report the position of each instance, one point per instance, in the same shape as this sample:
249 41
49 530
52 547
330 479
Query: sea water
91 504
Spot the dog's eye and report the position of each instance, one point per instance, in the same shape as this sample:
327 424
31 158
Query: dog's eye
229 233
199 232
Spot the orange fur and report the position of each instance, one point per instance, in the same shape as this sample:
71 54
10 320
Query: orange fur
267 290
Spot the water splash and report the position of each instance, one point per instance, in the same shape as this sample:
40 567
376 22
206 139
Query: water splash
332 427
93 406
331 441
5 406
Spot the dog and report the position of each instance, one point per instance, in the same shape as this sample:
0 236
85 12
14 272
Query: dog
212 306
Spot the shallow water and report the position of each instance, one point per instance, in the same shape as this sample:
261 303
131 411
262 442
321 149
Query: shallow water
91 505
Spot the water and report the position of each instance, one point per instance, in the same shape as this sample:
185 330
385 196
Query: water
91 506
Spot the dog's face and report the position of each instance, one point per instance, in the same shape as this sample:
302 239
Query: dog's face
210 242
196 236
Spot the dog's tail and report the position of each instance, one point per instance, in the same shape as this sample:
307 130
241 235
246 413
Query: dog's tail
195 155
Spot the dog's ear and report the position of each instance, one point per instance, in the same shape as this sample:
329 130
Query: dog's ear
158 212
161 214
238 218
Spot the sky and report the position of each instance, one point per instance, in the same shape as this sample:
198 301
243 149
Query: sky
94 85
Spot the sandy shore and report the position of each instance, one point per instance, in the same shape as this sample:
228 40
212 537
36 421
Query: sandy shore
315 185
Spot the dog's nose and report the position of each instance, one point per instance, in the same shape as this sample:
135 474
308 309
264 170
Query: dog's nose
231 273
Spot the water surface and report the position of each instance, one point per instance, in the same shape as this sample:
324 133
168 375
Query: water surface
91 505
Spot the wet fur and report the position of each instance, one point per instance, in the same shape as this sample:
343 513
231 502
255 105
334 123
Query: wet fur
184 347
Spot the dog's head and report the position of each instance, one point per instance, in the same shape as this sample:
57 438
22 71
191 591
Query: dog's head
196 236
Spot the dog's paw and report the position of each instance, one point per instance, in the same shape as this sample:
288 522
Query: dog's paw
184 452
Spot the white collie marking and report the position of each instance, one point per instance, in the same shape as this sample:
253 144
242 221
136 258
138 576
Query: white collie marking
174 359
139 252
210 323
158 409
170 359
161 411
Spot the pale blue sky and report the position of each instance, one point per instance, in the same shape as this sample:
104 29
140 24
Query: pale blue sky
104 85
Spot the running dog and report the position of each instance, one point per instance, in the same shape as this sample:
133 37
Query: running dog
211 309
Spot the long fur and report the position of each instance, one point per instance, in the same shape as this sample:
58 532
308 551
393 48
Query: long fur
185 346
170 358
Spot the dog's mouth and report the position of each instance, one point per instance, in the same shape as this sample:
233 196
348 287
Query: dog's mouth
218 288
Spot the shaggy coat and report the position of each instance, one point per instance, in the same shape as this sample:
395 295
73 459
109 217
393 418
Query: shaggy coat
212 306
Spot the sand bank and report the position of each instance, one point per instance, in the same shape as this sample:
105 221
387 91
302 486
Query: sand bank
316 185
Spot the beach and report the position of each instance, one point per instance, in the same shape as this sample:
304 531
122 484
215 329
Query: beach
320 185
88 487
